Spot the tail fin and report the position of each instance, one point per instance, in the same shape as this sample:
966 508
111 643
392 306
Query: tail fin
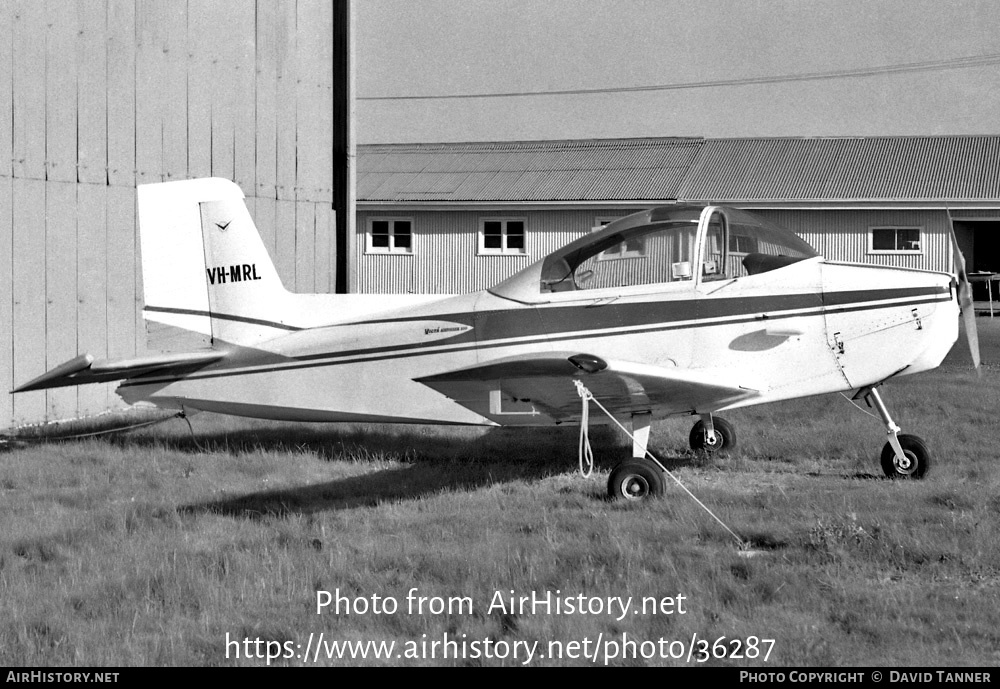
205 269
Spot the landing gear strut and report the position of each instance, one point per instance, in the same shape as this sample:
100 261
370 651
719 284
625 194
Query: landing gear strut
639 477
904 456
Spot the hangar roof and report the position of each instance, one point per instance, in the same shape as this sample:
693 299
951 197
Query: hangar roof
594 170
745 170
864 169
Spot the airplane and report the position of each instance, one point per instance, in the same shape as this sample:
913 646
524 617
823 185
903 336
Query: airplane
682 309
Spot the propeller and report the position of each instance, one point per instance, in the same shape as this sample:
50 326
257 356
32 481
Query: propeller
965 298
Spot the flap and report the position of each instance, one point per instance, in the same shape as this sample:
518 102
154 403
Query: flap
521 389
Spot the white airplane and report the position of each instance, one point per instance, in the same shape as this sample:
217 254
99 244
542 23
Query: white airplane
681 309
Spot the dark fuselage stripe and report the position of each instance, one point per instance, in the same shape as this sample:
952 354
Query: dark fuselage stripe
222 317
552 322
547 335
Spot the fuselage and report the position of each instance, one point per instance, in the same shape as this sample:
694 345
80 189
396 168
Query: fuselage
807 328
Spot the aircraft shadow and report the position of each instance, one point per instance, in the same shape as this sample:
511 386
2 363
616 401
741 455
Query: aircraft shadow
424 465
429 465
423 460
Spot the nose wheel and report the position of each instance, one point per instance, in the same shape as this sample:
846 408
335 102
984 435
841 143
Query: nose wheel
904 456
912 464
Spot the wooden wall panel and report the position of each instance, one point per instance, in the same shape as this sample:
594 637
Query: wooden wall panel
6 212
314 95
266 96
305 247
284 245
240 23
138 322
60 289
222 48
6 92
150 63
29 294
6 297
121 253
60 91
325 279
201 34
173 82
92 287
264 210
285 111
92 93
28 89
121 48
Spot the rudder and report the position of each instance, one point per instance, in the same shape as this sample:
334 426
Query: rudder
205 268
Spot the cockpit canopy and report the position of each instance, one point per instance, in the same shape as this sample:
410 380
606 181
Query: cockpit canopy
670 244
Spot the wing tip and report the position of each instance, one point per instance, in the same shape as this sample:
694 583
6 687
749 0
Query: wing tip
53 378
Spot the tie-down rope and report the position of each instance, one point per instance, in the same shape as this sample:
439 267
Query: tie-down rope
587 455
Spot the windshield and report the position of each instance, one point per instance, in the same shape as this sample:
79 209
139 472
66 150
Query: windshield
661 252
659 246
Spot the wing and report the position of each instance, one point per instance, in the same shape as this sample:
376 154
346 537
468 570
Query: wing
84 369
521 389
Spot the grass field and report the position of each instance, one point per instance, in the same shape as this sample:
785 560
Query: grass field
155 547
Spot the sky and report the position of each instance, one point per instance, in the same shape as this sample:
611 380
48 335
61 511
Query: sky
707 68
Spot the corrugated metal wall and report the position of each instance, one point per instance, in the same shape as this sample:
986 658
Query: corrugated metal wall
445 247
843 235
445 260
97 96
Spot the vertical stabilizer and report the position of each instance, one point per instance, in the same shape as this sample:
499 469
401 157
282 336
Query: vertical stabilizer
205 269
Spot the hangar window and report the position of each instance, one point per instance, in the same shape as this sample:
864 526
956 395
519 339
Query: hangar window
502 236
631 248
389 236
895 240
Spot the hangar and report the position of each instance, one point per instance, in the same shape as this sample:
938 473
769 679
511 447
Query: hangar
458 217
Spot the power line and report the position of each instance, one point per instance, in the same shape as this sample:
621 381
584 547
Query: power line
909 67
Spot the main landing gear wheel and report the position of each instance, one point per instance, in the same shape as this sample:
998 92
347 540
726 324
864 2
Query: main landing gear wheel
914 463
635 479
725 437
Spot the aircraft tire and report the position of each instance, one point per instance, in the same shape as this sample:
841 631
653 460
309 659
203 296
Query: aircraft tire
916 452
724 432
635 479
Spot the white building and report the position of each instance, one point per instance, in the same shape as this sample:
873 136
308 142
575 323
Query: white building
459 217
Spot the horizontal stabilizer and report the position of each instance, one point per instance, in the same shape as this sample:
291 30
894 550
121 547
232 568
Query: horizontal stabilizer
84 369
542 384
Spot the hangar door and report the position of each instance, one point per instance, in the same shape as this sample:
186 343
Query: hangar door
979 241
